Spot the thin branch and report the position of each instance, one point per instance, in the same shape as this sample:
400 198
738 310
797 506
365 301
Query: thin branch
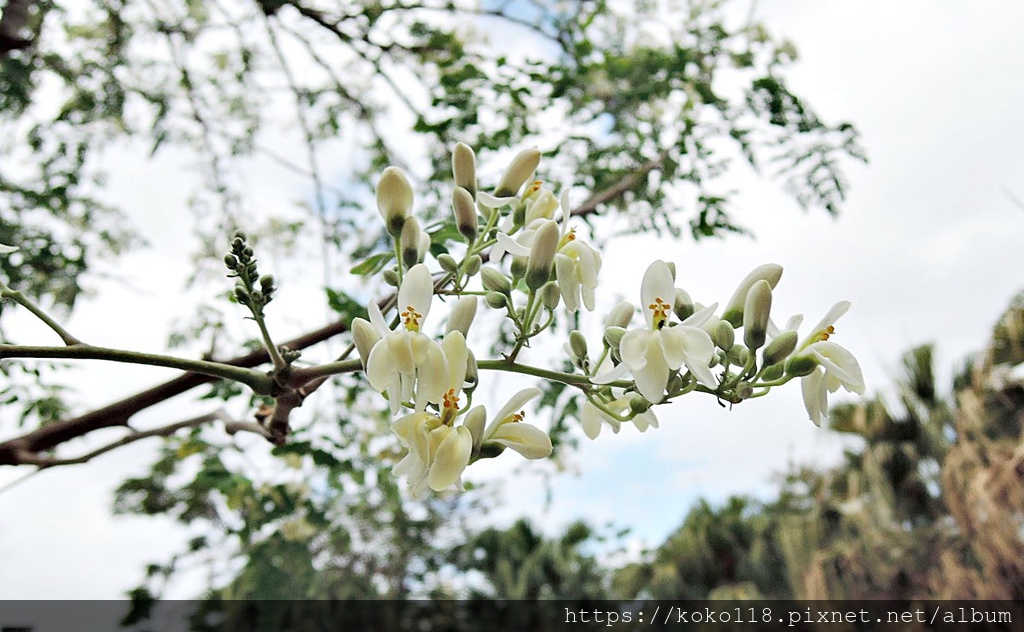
18 297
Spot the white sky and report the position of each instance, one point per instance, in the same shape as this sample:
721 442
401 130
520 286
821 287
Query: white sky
928 249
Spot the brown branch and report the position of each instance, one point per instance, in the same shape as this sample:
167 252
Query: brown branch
15 451
13 26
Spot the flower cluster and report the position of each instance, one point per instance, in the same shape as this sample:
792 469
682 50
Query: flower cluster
526 264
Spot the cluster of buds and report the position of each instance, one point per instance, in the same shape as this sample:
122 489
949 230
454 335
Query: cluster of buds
251 289
535 263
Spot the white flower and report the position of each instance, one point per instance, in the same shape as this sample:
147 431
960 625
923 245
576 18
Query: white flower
836 366
576 265
6 250
438 452
406 361
652 353
507 428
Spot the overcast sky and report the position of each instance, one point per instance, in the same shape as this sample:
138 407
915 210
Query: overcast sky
927 250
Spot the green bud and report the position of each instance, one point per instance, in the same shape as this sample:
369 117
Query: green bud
744 390
495 300
773 372
613 336
409 242
267 283
257 296
724 336
391 277
519 171
465 213
394 199
738 355
464 168
769 272
239 234
518 268
248 252
620 315
447 262
231 261
638 405
473 265
550 295
683 306
241 295
542 255
495 281
756 311
799 366
578 343
675 383
780 347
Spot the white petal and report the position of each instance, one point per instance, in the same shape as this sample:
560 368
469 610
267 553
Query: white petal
565 269
6 250
432 377
633 348
590 419
612 375
698 351
377 319
417 290
379 367
815 395
701 316
511 245
530 441
451 457
839 362
832 316
455 351
490 201
652 379
657 284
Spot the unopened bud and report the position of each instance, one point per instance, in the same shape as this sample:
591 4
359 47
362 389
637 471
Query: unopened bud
241 295
744 390
550 295
364 336
475 421
473 264
542 255
683 306
638 405
391 277
267 283
465 213
578 344
464 168
519 171
462 315
756 311
738 355
495 281
231 261
472 372
424 246
773 372
518 268
780 348
799 366
495 300
447 262
769 272
257 296
239 235
409 242
613 336
394 199
724 336
620 315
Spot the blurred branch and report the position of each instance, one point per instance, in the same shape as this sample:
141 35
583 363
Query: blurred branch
13 26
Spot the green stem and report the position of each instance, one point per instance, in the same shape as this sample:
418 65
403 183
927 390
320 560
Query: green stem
525 369
300 376
259 382
275 354
24 301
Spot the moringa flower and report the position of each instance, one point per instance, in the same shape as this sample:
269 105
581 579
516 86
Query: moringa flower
576 265
835 366
406 361
651 354
508 429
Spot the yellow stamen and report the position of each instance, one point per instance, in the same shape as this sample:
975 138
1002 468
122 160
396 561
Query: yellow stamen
449 406
411 318
570 236
661 310
824 333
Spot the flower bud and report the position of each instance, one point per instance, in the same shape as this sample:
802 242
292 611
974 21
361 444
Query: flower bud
638 405
239 235
683 305
578 344
542 255
472 372
769 272
475 421
394 199
391 277
613 336
462 315
724 336
540 206
365 337
756 311
519 171
464 168
424 246
231 261
780 348
550 295
773 372
495 300
518 268
620 315
267 283
447 262
799 366
744 390
473 265
738 355
465 213
409 242
495 281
